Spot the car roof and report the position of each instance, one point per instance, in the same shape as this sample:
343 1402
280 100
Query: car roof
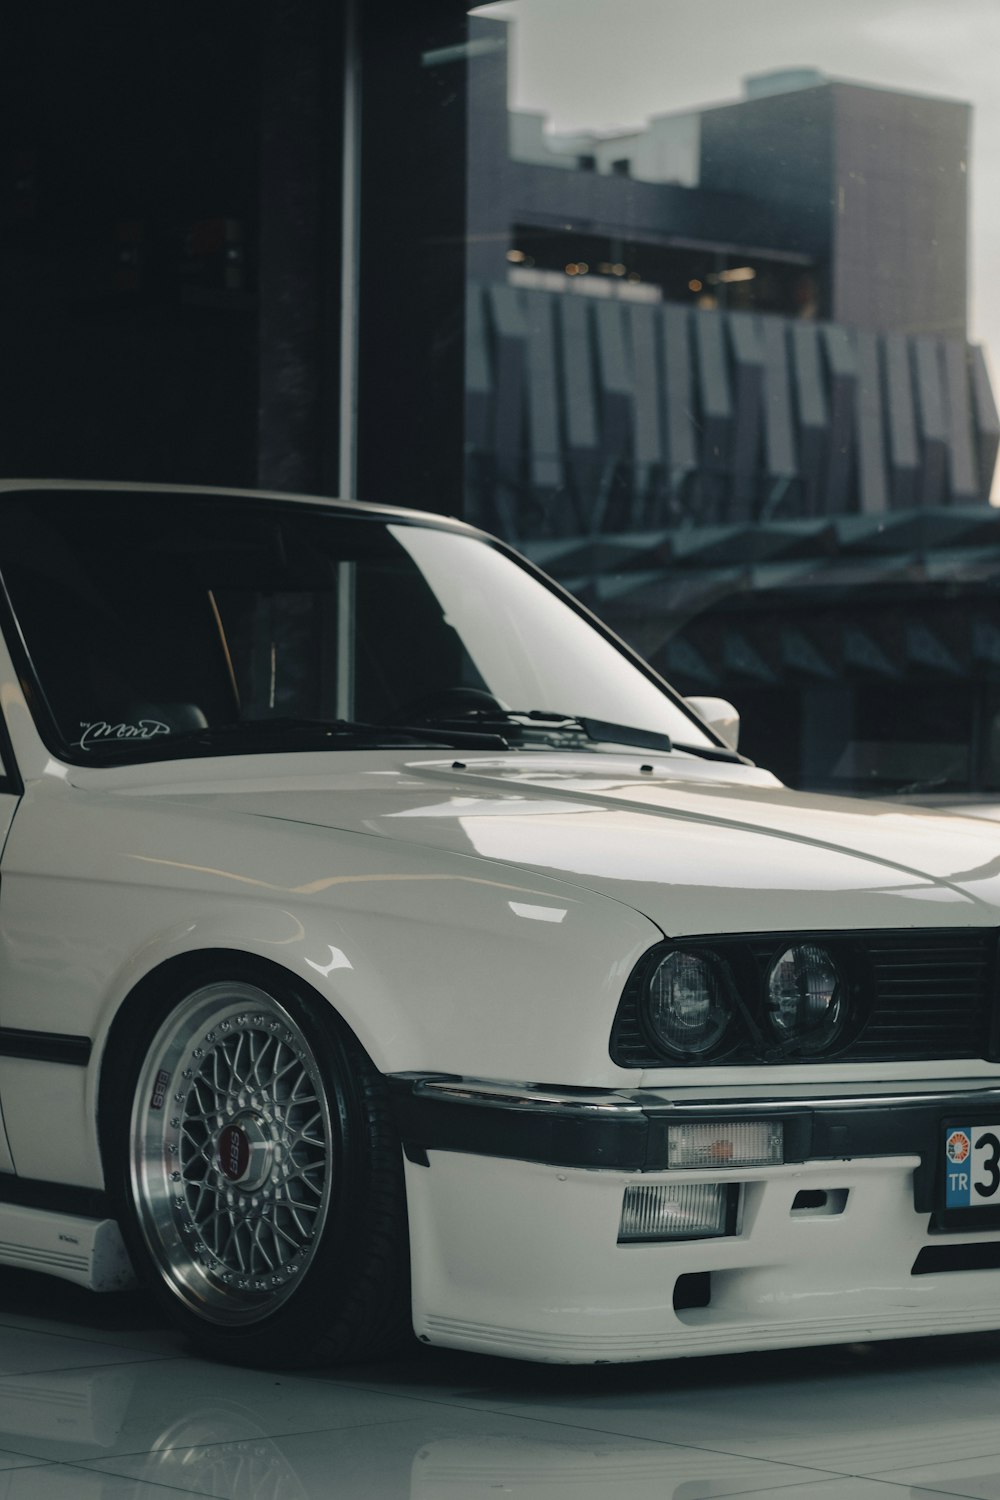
349 507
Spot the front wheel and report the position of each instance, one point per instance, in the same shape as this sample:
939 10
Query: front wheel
262 1181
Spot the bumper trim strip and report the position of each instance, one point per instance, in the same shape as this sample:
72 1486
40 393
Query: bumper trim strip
626 1130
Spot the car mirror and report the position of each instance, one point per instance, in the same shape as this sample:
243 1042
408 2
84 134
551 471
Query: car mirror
720 715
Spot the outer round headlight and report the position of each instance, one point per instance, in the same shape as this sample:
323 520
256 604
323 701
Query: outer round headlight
806 1002
686 1006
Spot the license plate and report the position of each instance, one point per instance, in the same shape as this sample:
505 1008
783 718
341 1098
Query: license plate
972 1166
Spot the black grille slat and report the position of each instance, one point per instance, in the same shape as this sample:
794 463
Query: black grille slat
938 975
938 963
923 995
943 952
938 1005
922 982
908 1015
919 1024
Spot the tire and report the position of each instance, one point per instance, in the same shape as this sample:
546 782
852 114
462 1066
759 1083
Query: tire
260 1177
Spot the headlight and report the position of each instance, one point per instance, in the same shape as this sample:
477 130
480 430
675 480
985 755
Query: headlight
686 1005
805 998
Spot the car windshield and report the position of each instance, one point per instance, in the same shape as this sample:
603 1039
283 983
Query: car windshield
162 624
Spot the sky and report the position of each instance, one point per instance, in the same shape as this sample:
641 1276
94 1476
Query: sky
613 63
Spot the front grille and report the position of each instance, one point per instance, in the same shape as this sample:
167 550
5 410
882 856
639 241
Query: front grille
932 996
915 995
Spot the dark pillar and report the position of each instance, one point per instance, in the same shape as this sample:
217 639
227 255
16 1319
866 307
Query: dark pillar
299 280
411 388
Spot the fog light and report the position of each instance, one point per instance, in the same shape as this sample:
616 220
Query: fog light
685 1211
751 1143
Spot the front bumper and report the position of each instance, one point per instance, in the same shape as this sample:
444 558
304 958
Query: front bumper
515 1197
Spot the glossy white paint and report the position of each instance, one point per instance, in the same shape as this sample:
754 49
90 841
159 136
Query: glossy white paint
698 847
431 951
523 1260
426 884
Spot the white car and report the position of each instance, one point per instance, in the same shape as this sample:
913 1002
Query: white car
381 940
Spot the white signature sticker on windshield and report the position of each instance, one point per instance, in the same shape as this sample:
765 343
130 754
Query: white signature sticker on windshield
101 731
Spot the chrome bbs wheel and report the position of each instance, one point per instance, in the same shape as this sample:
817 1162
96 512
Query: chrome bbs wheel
232 1153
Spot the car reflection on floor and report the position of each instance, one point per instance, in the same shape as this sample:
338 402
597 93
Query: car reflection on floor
98 1401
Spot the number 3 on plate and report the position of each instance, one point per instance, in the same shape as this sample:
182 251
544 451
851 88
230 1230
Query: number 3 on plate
985 1164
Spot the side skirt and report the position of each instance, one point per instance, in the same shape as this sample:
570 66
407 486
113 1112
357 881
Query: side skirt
60 1237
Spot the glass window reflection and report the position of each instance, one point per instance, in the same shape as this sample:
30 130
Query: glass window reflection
729 310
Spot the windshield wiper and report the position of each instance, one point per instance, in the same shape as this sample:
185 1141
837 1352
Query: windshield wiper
619 734
913 788
490 737
509 722
603 730
623 734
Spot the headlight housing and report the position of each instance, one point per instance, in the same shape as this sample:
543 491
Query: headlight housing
806 1001
687 1006
773 997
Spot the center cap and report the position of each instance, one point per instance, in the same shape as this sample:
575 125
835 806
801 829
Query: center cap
244 1152
234 1153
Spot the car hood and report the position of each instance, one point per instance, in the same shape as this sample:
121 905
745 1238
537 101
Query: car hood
696 846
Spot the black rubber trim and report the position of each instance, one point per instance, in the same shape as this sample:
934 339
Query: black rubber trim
937 1260
45 1046
55 1197
632 1134
560 1139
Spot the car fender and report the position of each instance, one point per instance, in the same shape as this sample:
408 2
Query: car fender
399 939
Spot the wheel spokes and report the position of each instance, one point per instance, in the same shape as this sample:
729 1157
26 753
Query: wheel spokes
245 1142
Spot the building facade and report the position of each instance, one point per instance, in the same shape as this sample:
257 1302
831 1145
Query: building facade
719 381
713 372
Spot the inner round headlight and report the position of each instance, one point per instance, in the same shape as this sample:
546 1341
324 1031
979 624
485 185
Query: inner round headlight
686 1005
805 998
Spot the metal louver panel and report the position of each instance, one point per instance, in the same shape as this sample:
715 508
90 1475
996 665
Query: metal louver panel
929 993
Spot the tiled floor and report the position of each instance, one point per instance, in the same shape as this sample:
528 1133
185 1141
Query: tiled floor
98 1401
